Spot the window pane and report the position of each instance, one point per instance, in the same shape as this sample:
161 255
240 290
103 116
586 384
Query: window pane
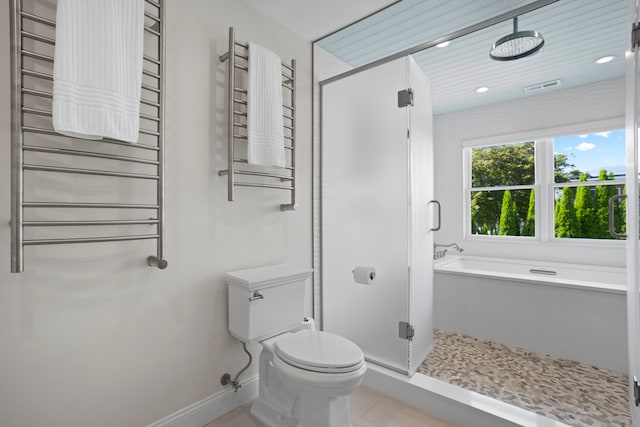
583 212
504 213
503 165
596 156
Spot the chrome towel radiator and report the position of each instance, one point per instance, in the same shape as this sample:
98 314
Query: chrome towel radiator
37 151
238 58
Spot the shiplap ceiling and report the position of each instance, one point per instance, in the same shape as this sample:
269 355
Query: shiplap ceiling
576 33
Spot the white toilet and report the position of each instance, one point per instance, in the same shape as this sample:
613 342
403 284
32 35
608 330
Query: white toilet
305 376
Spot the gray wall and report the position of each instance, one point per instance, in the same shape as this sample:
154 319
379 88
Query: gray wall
91 335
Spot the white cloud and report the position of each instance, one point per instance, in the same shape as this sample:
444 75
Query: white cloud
585 146
603 134
583 136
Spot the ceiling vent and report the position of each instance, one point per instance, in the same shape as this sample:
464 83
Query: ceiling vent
542 86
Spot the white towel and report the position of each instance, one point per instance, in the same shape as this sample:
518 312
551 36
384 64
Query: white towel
97 71
264 108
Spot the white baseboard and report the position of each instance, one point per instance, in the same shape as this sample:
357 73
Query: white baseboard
210 408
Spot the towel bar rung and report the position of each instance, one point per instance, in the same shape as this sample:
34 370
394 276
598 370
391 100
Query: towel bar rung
150 103
36 74
35 55
81 153
151 221
48 113
150 88
262 174
33 242
152 31
39 93
38 19
259 184
37 37
245 161
150 74
67 205
151 16
148 117
43 131
60 169
150 59
36 111
149 132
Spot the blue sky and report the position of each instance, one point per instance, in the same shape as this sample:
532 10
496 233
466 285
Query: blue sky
592 152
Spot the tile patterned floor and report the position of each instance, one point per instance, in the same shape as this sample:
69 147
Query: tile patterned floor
369 408
571 392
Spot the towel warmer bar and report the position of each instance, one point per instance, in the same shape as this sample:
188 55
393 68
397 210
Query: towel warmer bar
237 115
32 33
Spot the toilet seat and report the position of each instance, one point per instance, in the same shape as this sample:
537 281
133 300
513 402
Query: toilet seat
319 351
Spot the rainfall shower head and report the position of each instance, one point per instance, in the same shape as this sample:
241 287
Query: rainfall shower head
517 44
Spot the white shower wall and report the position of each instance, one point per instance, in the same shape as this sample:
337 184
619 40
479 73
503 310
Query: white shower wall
91 336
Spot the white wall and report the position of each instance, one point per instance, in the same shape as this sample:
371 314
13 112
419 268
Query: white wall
586 104
325 65
92 336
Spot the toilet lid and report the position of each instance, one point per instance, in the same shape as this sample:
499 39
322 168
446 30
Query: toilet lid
319 352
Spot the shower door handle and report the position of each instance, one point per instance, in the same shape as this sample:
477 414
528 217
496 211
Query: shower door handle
612 218
437 203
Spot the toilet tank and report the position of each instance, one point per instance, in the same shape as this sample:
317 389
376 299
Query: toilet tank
265 301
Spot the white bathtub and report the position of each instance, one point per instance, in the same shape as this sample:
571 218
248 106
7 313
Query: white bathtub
587 277
578 313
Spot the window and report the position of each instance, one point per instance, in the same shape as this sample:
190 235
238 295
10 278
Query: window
589 170
566 181
502 181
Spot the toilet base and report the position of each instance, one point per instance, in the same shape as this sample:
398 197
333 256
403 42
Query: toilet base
283 403
319 410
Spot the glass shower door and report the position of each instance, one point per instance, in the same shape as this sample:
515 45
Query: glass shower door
633 216
365 212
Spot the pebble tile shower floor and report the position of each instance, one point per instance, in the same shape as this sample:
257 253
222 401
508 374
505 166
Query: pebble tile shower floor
573 393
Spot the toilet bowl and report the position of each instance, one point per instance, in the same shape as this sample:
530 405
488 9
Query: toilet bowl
305 376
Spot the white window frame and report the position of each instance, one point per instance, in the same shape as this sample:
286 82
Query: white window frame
544 183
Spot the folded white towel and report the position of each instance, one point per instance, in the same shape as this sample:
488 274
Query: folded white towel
97 71
264 108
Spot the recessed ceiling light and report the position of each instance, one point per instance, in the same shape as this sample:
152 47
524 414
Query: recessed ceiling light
605 59
443 44
482 89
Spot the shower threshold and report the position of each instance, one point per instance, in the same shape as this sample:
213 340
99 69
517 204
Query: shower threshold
455 400
566 391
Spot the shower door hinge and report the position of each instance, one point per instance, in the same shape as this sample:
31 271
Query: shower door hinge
636 391
405 98
406 331
635 36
